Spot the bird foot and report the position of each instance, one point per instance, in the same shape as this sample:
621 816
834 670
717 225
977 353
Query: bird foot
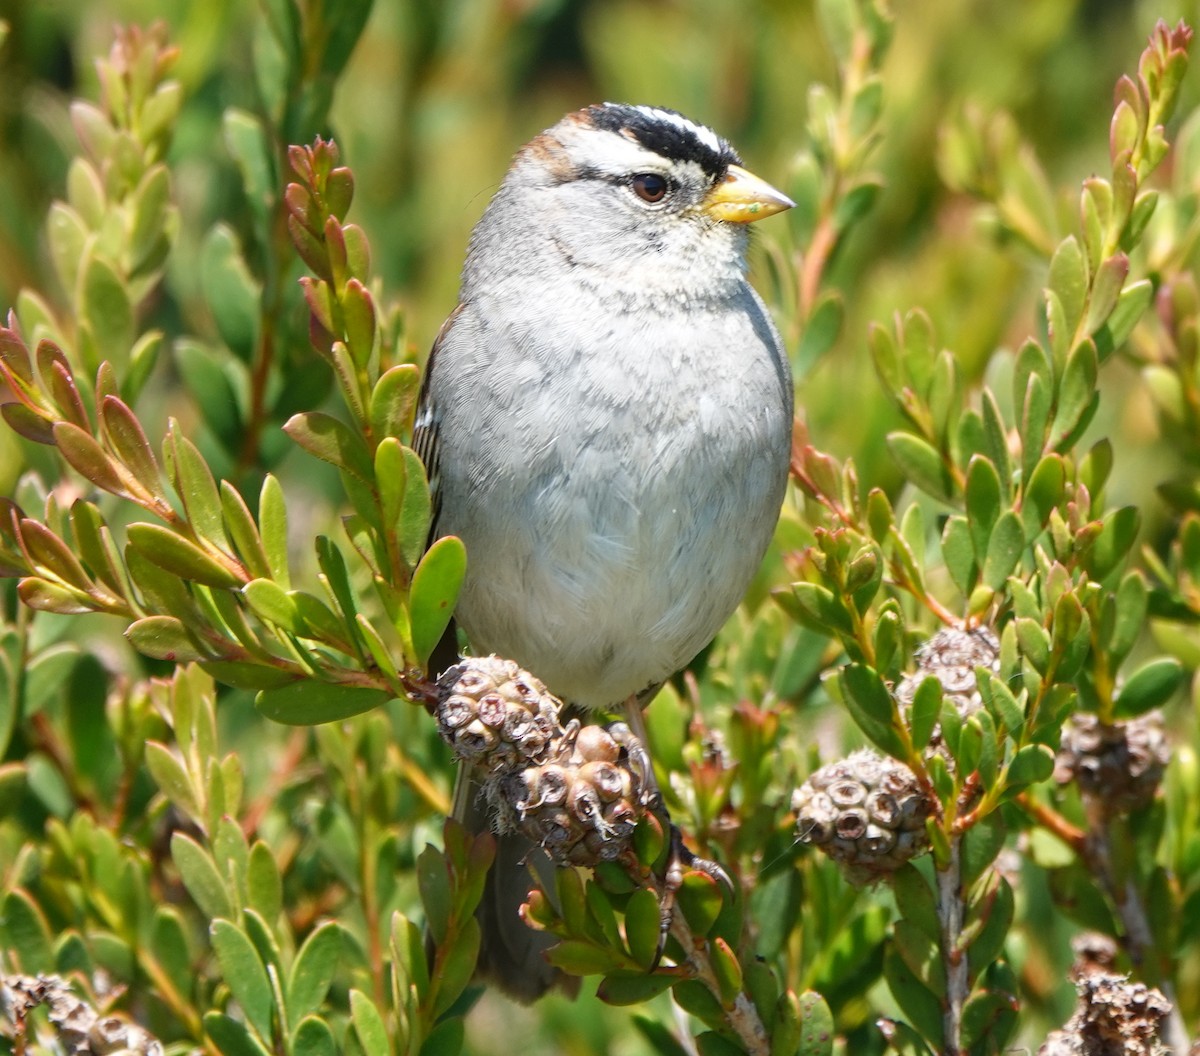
680 859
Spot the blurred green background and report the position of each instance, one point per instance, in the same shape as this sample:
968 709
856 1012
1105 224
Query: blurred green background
439 93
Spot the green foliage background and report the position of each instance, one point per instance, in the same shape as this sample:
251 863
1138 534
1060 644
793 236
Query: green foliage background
434 98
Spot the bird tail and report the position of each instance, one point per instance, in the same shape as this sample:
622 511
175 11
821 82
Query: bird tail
512 956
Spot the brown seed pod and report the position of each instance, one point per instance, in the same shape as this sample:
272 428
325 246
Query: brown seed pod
1118 768
495 715
867 812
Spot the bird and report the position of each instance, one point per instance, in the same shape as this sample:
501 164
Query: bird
605 420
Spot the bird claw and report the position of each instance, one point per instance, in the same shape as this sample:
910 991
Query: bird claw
679 860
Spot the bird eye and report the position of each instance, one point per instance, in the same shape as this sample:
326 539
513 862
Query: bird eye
649 186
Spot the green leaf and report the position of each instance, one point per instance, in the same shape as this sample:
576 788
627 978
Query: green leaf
626 988
313 1038
169 944
416 513
916 902
107 313
915 999
86 456
393 400
700 900
1076 394
1005 547
1106 290
314 969
243 532
358 314
199 875
164 638
579 957
998 916
446 1039
1068 280
67 235
818 607
271 603
697 999
24 933
232 293
151 211
309 703
251 149
245 974
332 441
272 521
232 1037
1149 687
435 586
821 331
642 921
984 502
1043 492
958 552
926 707
871 706
1130 307
264 893
172 779
921 464
457 966
886 358
1124 616
124 433
816 1026
247 675
194 482
1035 414
179 556
1114 543
1031 765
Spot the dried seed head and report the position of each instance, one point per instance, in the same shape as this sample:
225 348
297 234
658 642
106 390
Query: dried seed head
1113 1017
494 714
951 657
582 802
1118 768
866 812
1094 952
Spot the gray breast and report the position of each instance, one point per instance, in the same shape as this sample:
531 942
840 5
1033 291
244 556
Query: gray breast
612 518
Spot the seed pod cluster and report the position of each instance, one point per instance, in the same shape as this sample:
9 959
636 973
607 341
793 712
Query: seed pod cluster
951 656
583 801
867 812
494 714
1118 768
1113 1017
578 792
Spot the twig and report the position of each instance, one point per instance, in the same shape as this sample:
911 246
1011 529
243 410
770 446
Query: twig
950 916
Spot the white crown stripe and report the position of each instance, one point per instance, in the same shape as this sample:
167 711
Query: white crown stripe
702 132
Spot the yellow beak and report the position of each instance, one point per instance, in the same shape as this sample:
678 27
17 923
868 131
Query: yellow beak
742 198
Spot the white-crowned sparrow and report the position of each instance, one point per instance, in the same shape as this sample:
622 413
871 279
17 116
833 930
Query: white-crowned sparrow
606 422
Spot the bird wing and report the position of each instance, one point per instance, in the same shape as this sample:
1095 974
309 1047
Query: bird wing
425 425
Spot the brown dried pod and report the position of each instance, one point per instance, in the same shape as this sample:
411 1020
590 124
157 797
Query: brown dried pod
1113 1017
867 812
582 803
951 657
494 714
1118 768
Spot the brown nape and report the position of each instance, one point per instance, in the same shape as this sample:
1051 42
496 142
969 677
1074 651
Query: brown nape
549 153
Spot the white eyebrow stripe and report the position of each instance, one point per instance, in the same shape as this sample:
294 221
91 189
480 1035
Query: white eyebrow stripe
612 153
